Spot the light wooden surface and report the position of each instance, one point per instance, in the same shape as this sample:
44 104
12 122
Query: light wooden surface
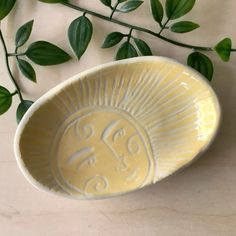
200 200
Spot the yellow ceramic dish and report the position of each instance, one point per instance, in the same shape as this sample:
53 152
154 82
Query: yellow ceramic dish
117 128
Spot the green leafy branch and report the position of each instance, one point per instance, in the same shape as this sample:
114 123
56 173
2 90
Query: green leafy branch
132 47
40 52
80 32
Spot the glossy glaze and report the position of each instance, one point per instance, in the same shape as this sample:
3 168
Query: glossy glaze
117 128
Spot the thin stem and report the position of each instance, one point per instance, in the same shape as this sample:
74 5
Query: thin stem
8 66
13 94
16 54
164 26
98 15
129 35
114 9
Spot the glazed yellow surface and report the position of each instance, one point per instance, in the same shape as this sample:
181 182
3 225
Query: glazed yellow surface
101 151
119 128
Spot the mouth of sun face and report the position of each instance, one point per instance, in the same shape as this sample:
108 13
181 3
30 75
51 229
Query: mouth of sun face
101 151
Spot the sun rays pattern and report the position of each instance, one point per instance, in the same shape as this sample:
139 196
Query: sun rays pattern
171 113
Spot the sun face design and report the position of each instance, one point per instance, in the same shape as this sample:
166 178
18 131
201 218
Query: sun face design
102 152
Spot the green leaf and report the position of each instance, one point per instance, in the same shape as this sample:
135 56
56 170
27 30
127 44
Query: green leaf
120 1
106 2
112 39
130 6
126 50
143 47
27 70
178 8
52 1
22 109
23 33
5 100
184 27
201 63
5 7
223 48
44 53
79 34
157 11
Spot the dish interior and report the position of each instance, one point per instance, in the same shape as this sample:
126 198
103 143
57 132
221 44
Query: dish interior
118 128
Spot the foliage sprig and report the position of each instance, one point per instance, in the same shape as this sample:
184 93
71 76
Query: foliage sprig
40 52
80 33
164 16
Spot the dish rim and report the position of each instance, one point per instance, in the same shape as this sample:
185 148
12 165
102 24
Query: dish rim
82 75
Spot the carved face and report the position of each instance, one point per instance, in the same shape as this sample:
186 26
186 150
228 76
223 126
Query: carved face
101 152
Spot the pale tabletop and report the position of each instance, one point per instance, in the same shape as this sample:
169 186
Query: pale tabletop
201 200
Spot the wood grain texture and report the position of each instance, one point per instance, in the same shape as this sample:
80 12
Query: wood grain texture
200 200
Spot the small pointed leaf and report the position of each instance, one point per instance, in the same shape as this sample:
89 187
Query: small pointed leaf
143 47
130 6
106 2
5 100
178 8
126 50
5 7
223 49
22 109
157 11
202 64
184 27
112 39
80 33
44 53
27 70
23 33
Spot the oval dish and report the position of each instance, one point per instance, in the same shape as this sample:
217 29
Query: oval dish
117 128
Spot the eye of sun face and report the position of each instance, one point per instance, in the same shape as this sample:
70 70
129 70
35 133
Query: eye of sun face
102 152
